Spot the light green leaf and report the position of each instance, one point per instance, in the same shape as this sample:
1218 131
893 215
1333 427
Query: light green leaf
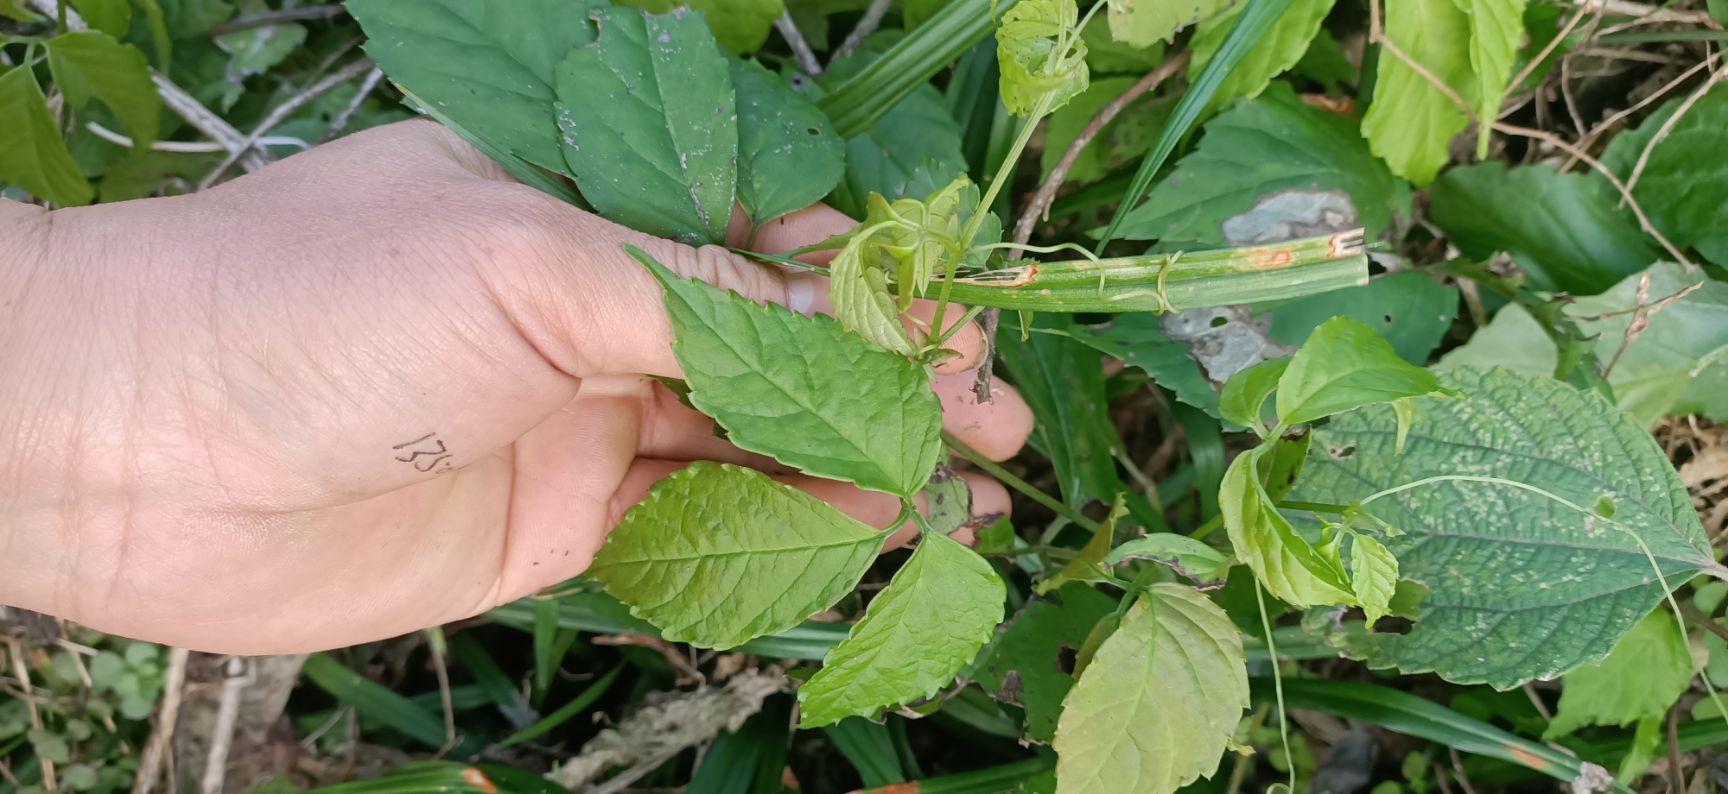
766 375
1684 185
1281 47
1511 573
1023 665
1678 362
1345 365
788 155
663 156
16 11
1646 672
1647 741
1513 339
1106 55
1244 395
1205 565
1373 575
113 17
1088 565
1042 56
33 156
1121 142
1159 703
1137 339
858 288
930 621
489 67
1565 230
1410 121
1142 23
718 555
1496 31
92 65
1288 566
1410 310
1254 152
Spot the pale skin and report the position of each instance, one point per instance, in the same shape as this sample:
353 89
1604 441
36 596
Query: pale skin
211 405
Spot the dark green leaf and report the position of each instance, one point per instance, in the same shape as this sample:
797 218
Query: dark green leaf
788 156
1409 310
1641 678
113 17
916 135
663 156
1122 141
1564 230
1345 365
749 760
764 373
1138 340
1279 50
92 65
1684 185
718 555
32 155
868 93
1063 382
906 647
373 700
1023 667
1511 573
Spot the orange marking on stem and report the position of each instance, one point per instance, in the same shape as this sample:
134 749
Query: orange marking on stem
478 779
1527 758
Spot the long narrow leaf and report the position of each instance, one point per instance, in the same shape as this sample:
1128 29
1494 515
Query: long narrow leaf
911 62
1256 18
983 781
374 700
576 705
870 749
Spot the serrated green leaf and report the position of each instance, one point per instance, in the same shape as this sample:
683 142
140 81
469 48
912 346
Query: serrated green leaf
1564 230
1678 362
1684 185
92 65
788 155
663 157
488 67
718 555
1410 121
1042 56
1280 49
1646 672
927 624
1373 575
858 289
1496 31
1510 573
113 17
1244 397
1138 340
33 156
1255 151
766 375
1410 310
1345 365
1205 565
1143 23
1023 666
1286 564
1159 703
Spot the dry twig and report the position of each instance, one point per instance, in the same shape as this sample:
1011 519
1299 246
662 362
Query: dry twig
794 37
1668 126
1608 123
15 649
866 26
279 17
367 86
354 69
162 736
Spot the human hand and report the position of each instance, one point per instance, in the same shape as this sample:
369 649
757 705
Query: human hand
375 387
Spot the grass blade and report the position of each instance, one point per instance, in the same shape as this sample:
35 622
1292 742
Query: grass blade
1256 18
870 749
373 700
602 614
576 705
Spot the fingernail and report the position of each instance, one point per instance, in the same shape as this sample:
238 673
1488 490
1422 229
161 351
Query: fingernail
800 295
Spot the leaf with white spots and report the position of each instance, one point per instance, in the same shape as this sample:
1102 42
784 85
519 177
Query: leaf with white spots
1520 585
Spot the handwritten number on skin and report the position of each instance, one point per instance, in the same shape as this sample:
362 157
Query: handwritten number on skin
425 453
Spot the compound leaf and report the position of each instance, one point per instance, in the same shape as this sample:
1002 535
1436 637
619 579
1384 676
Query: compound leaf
662 157
92 65
1345 365
32 155
1410 309
767 375
1410 122
930 621
718 555
788 154
1520 586
1158 703
1645 673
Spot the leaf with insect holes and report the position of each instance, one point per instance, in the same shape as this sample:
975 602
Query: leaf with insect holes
935 614
1159 702
718 555
1647 671
32 155
788 154
1345 365
1205 565
1373 575
1023 665
767 375
1278 50
1496 31
1042 56
91 65
1411 121
663 156
1287 565
1143 23
488 67
1511 573
1244 396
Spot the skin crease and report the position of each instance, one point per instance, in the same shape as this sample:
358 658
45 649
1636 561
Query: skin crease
204 399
